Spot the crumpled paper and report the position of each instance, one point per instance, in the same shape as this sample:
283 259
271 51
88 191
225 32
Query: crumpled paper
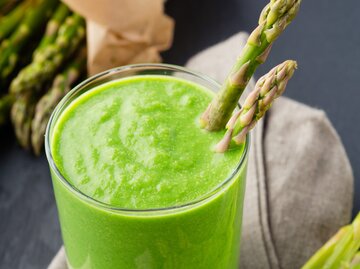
121 32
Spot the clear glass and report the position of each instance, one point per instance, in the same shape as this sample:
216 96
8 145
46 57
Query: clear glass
204 233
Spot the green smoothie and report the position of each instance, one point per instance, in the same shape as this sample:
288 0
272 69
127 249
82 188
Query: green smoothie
162 195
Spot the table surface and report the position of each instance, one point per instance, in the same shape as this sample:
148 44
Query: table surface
325 42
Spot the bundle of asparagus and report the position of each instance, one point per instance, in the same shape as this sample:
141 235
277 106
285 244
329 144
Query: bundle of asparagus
36 15
48 59
47 103
342 251
9 22
37 85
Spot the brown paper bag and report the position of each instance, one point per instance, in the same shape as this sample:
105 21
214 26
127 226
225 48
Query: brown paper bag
121 32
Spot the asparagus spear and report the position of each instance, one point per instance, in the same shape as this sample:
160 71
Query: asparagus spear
273 21
9 22
22 113
355 263
340 251
320 257
5 106
52 28
45 64
48 102
35 17
267 89
346 248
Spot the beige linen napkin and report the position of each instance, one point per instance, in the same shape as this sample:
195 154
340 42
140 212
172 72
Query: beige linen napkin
299 185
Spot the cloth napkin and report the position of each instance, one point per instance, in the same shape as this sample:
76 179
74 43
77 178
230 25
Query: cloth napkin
299 185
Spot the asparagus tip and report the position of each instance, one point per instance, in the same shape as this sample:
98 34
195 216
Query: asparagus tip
267 89
224 143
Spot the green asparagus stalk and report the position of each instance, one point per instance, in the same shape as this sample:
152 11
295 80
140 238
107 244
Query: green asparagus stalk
340 251
355 263
45 64
5 106
267 89
22 113
320 257
273 21
9 22
35 17
347 247
52 28
48 102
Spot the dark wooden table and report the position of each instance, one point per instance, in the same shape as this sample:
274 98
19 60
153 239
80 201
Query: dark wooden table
326 42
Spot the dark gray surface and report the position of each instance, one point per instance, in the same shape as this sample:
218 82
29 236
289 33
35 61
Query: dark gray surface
324 39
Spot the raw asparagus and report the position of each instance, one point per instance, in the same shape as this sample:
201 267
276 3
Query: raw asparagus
5 106
9 22
22 113
346 248
267 89
45 64
52 28
273 21
48 102
341 251
320 257
35 17
355 263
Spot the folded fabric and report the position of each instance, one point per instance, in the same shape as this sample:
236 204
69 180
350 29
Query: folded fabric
299 185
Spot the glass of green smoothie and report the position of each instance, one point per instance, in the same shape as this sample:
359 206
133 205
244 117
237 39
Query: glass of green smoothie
136 181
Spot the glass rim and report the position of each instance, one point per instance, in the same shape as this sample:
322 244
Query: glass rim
106 206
